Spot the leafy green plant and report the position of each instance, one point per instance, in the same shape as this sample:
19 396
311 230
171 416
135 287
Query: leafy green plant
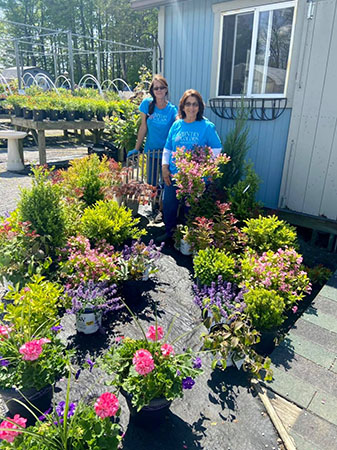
84 179
147 368
280 271
31 359
269 233
41 206
242 194
123 125
107 220
235 339
208 264
23 251
236 147
68 426
265 308
319 274
31 307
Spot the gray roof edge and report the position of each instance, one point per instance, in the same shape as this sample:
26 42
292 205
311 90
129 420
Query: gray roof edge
143 4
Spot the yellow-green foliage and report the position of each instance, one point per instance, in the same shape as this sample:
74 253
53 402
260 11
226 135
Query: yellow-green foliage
269 233
106 220
34 305
208 264
265 308
84 179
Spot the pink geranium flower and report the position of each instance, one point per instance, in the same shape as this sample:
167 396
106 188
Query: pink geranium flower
106 405
143 361
32 350
5 330
167 350
155 334
9 436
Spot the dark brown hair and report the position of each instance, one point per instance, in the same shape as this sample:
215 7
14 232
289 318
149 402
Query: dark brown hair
161 80
197 95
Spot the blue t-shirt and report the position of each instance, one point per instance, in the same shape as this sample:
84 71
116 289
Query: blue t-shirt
158 124
182 134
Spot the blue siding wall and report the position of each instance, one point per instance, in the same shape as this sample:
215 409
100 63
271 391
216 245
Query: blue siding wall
188 64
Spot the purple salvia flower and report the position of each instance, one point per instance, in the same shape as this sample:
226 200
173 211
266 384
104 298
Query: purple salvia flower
197 363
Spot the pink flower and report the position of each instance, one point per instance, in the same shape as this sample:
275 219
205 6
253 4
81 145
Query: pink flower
143 362
294 309
167 350
5 330
153 334
9 436
106 405
44 341
31 350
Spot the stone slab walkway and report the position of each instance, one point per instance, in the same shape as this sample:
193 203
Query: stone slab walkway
305 373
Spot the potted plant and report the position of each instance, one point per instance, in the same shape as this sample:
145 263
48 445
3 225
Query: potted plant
181 238
235 339
149 372
32 361
194 168
89 301
82 426
208 264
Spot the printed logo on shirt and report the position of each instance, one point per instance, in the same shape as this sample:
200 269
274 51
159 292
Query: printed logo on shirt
188 138
159 118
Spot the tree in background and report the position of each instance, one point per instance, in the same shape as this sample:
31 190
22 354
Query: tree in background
105 20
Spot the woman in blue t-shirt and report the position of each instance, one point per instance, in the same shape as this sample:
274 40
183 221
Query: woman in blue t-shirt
157 116
189 130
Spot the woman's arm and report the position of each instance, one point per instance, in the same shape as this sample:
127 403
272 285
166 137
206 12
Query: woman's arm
141 132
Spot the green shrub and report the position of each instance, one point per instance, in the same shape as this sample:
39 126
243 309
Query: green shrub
106 220
242 195
269 233
208 264
42 207
34 305
265 308
84 179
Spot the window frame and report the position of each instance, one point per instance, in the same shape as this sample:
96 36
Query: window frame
256 10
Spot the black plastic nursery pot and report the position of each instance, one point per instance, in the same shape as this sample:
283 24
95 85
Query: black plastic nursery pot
39 115
102 150
18 111
88 115
149 415
41 400
267 342
70 115
27 113
53 114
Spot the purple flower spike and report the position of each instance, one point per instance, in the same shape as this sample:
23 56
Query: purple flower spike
43 417
178 373
56 328
197 363
61 406
188 383
77 374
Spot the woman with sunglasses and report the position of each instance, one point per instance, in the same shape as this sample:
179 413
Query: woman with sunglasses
157 116
191 129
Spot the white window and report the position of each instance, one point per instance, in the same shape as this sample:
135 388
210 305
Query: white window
255 46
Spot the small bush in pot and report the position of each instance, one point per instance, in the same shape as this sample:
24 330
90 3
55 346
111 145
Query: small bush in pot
137 261
269 233
265 308
111 222
208 264
81 262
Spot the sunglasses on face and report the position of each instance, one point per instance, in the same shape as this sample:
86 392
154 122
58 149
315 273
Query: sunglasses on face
159 88
191 104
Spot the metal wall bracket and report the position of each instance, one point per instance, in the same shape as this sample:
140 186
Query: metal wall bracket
254 108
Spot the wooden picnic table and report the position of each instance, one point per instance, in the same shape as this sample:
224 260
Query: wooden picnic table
38 129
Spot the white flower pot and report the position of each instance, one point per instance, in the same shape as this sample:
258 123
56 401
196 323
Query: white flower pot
238 362
89 321
185 248
146 274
